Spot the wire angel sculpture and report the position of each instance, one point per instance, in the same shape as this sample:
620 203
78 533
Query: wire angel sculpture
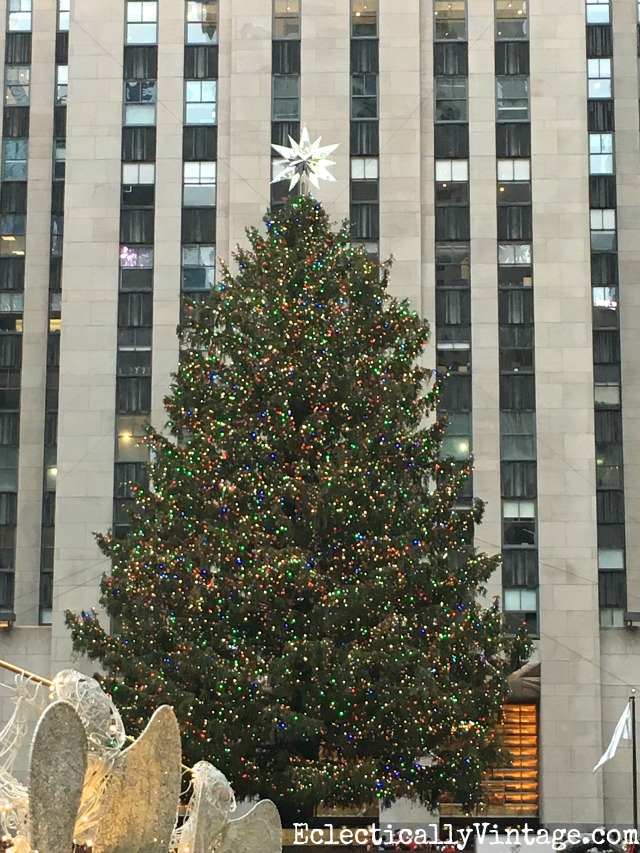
89 791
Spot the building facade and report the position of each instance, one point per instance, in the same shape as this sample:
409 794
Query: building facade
491 146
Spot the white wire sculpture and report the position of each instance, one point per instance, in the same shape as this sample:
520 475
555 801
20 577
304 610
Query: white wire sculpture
90 792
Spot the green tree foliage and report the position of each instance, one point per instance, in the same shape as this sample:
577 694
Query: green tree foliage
298 583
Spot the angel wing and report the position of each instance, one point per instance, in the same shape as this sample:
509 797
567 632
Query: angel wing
260 829
140 802
102 721
208 811
56 773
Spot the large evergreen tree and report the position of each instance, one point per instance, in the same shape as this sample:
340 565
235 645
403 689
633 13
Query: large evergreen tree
298 583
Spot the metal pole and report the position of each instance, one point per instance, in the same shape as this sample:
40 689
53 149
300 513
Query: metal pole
19 671
634 759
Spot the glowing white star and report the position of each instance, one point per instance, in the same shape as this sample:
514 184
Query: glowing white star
304 159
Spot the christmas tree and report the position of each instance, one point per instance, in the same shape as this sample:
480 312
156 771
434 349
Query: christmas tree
298 583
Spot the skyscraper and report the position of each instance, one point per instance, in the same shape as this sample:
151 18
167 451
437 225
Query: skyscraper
491 146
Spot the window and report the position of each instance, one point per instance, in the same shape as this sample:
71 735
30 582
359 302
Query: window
514 253
16 92
451 99
452 265
198 267
512 98
135 310
138 173
12 234
57 235
605 307
136 257
452 170
457 437
610 558
14 159
199 184
521 600
64 13
514 170
62 83
364 168
140 102
450 20
59 159
511 20
286 97
519 524
364 96
200 96
601 154
8 469
518 440
598 12
202 22
603 230
19 16
609 466
599 73
133 394
606 395
364 18
286 19
142 22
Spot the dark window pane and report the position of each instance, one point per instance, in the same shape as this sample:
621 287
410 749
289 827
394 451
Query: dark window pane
451 141
364 138
364 56
137 226
452 223
282 130
365 221
16 123
601 115
519 480
599 41
139 144
512 57
604 270
140 62
517 392
201 143
519 567
602 192
199 225
450 59
201 62
514 223
513 140
609 427
18 48
613 589
62 48
133 395
12 273
606 347
456 394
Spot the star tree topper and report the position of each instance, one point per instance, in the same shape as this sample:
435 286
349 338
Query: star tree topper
304 159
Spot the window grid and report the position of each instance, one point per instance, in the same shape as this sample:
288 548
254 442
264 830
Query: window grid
141 22
364 126
202 22
609 458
